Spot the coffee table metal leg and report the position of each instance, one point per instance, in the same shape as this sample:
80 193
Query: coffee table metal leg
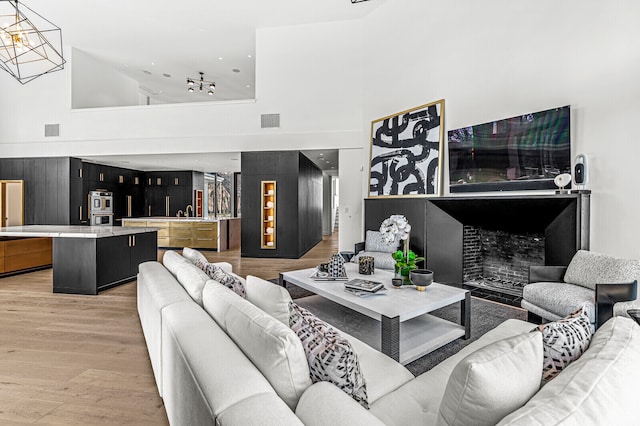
281 281
391 337
465 314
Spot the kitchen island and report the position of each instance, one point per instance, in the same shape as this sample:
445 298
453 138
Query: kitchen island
88 259
194 232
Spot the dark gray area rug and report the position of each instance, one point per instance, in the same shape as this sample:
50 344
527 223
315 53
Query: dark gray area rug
485 315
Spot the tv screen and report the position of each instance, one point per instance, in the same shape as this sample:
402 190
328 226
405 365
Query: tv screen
518 153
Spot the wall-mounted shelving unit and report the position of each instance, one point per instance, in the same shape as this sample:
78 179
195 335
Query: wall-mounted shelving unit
268 214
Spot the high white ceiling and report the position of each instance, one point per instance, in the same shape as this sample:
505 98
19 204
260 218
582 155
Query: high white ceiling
149 39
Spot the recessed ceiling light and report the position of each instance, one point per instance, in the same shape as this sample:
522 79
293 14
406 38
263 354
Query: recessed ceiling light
153 63
248 56
235 70
220 58
321 154
146 72
248 86
167 75
327 161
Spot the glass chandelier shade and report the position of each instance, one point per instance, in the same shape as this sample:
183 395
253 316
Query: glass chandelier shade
30 46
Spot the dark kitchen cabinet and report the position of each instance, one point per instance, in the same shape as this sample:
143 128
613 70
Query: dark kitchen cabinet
89 265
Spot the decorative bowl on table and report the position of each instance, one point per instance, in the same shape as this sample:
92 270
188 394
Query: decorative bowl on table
421 278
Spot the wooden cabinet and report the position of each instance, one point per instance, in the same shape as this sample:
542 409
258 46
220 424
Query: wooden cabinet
268 214
181 233
17 254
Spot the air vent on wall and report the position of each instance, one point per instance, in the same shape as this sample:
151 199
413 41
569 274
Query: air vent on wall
51 130
269 120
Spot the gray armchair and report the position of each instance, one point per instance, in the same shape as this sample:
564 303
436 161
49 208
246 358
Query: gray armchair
605 285
375 246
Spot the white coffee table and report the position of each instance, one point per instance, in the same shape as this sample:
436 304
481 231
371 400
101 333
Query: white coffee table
397 323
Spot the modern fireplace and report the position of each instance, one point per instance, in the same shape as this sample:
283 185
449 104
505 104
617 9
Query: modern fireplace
544 229
487 244
496 263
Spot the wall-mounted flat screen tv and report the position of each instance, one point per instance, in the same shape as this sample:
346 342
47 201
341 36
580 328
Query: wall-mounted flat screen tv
519 153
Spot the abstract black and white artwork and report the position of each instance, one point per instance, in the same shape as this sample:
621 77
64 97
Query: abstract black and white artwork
405 152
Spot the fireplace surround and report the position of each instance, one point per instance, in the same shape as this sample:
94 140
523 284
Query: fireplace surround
544 229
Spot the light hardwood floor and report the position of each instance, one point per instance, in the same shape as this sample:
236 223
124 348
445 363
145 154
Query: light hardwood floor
82 360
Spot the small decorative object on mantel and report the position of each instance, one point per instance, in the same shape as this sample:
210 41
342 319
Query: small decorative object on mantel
561 182
396 227
366 265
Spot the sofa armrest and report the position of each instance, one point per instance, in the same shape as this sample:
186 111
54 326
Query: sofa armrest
358 247
324 404
608 295
543 273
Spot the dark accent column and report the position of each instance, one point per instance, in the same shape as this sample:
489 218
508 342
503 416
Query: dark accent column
390 338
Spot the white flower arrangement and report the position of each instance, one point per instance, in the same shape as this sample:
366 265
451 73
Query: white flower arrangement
395 226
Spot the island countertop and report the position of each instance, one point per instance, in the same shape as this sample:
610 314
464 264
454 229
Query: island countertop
72 231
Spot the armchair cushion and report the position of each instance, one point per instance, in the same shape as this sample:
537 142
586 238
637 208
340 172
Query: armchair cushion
588 268
560 299
374 241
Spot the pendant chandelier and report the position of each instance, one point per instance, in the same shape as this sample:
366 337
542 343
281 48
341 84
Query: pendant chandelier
30 45
192 84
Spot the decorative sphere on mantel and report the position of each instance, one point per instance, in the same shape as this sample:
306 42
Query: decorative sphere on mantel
421 278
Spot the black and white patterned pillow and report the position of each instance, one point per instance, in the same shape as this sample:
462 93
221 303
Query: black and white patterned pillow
218 274
564 341
330 356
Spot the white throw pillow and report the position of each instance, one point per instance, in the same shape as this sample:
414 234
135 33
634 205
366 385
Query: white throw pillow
272 347
192 280
270 297
193 255
171 260
493 381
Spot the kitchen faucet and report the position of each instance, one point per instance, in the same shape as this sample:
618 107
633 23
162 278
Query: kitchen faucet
186 210
179 213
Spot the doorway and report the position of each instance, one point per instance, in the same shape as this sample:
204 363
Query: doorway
11 202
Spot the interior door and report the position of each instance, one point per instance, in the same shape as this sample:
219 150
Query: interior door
12 203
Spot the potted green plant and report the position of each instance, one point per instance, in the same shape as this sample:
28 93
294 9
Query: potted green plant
397 228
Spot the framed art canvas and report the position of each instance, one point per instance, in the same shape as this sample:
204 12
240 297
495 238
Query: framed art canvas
406 152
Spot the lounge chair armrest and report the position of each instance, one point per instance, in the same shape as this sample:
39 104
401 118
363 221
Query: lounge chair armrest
358 247
543 273
608 295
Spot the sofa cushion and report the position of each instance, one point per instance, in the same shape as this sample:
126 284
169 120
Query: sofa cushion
273 347
380 260
374 241
597 389
564 341
193 256
493 381
560 299
270 297
192 280
330 356
588 268
227 279
171 260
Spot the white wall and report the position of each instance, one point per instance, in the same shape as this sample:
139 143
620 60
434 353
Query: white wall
352 174
492 60
299 76
97 84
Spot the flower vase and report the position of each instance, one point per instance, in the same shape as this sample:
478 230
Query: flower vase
403 272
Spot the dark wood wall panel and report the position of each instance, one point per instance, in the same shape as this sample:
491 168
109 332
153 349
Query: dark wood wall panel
298 203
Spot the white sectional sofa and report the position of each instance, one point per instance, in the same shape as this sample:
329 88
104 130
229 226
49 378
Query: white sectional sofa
221 359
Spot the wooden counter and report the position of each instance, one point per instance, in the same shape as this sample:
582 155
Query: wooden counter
198 233
18 254
88 259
